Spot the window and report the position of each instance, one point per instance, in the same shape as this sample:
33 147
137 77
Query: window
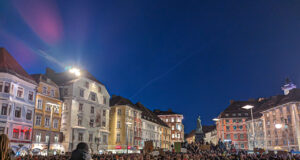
241 127
104 113
56 139
234 121
44 90
246 114
16 133
38 119
239 114
55 123
93 96
87 84
118 138
242 145
99 89
178 135
118 124
235 136
48 107
80 106
241 136
38 137
47 122
227 128
56 108
4 109
167 119
81 92
52 92
27 134
178 120
80 136
119 111
2 130
103 124
228 136
91 123
227 121
172 119
40 104
104 139
172 127
1 86
20 92
90 137
173 136
104 100
178 127
30 95
66 91
79 121
18 112
92 109
47 138
234 127
29 114
7 87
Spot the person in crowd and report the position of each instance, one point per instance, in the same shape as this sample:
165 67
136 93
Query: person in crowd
4 147
81 152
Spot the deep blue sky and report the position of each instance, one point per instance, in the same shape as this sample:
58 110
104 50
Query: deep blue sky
191 56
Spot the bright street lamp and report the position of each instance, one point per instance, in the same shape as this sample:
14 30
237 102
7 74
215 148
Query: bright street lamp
253 133
75 71
216 119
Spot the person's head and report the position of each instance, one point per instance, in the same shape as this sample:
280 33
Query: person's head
82 146
4 145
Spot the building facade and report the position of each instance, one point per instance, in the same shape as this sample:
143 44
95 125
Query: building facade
17 97
211 137
231 124
85 110
174 121
125 126
47 119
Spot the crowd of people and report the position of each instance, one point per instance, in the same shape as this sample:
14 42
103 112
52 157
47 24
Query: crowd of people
193 151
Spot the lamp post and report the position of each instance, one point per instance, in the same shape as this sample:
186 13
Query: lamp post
253 133
279 126
127 126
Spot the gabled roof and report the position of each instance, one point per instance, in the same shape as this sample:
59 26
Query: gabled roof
8 64
149 115
159 112
119 100
63 78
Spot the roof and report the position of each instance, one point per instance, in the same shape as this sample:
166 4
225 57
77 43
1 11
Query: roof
8 64
149 115
43 78
159 112
63 78
119 100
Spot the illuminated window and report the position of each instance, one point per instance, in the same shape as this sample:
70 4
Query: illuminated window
40 104
38 137
47 121
20 92
16 133
48 107
27 134
55 123
38 120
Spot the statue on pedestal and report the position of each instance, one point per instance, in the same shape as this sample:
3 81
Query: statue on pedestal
199 126
199 135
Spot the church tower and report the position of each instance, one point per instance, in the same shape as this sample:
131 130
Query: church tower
288 86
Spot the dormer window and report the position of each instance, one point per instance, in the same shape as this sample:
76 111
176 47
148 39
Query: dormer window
87 84
44 90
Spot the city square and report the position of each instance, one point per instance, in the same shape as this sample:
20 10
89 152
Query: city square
135 80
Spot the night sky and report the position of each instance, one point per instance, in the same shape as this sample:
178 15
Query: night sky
191 56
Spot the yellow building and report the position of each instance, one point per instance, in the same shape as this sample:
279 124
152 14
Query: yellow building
165 137
47 119
124 119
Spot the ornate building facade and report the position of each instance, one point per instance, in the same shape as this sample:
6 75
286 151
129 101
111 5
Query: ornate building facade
17 97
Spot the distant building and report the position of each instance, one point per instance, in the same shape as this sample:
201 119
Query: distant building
210 133
125 126
17 99
47 119
154 129
85 111
231 124
174 121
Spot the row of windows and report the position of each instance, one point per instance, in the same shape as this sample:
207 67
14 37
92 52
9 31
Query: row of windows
172 119
129 112
7 87
178 127
50 92
92 109
6 110
49 106
234 127
18 132
237 114
235 136
38 138
47 121
234 120
87 85
176 136
91 123
93 96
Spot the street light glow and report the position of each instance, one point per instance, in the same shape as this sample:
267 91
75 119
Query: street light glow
248 107
75 71
216 119
278 126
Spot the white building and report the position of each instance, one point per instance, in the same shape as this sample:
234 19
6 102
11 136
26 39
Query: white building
85 114
17 97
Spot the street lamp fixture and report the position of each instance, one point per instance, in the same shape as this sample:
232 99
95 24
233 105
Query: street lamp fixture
216 119
253 133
